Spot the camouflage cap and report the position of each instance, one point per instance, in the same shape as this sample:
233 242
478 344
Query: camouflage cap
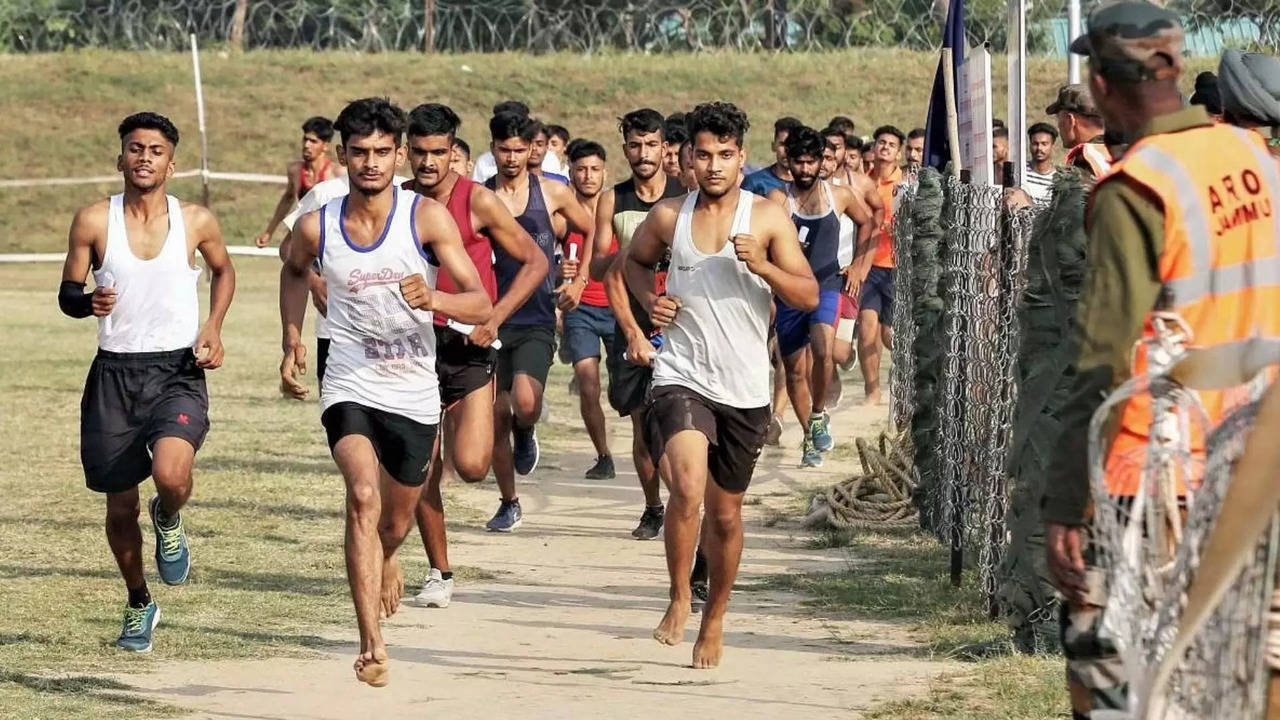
1132 41
1073 98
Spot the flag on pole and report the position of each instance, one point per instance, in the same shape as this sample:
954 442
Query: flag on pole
936 146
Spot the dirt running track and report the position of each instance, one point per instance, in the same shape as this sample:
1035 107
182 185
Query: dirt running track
564 630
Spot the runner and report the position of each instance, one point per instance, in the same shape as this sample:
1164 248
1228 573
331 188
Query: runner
464 362
674 136
145 410
619 212
777 175
815 206
460 163
314 168
378 249
709 407
528 334
486 167
558 139
592 323
539 158
875 313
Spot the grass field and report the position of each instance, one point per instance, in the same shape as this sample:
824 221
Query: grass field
62 109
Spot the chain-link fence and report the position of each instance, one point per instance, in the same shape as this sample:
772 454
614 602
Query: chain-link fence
585 25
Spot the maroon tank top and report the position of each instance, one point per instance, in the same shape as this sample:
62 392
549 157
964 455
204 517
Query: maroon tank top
478 245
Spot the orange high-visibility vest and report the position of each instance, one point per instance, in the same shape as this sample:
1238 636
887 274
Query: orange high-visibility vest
1220 266
1096 155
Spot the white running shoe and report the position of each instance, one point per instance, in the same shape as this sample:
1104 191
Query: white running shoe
436 591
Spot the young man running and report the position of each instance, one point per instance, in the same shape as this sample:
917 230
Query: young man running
620 211
528 334
378 249
465 357
460 162
145 410
674 136
592 323
815 207
777 175
709 407
875 306
313 169
539 157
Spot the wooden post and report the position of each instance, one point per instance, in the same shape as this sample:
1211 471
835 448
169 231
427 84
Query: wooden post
237 24
953 118
428 26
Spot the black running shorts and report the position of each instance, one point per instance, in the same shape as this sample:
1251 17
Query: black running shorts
130 401
525 351
735 434
463 366
403 446
628 382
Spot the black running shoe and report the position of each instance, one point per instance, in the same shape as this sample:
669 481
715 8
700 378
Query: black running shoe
701 591
650 524
524 449
603 469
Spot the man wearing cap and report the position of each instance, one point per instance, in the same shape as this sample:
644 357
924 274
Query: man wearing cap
1080 126
1177 226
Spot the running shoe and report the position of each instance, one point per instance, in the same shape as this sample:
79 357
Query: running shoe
139 623
525 449
436 591
809 455
701 591
508 517
773 436
819 424
173 556
650 523
603 469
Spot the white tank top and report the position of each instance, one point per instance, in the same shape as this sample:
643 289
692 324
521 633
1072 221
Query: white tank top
157 304
718 344
382 353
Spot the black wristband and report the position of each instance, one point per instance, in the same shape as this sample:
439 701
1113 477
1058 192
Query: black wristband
73 300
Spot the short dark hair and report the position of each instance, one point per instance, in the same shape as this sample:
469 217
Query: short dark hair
722 119
849 140
583 148
559 131
803 141
1043 128
916 134
843 123
680 153
889 130
506 125
371 115
511 106
642 121
320 126
149 121
433 119
1000 131
674 130
997 123
462 145
787 125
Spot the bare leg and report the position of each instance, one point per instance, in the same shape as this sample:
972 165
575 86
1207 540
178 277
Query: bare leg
645 469
686 461
398 503
869 353
429 511
171 463
504 469
822 363
587 370
359 466
125 537
723 526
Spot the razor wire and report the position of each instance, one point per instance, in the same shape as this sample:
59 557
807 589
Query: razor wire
584 26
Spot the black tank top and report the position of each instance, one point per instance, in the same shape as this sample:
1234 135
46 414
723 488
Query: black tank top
820 239
629 210
540 309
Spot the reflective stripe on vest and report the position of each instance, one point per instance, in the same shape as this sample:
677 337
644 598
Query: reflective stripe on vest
1220 266
1095 155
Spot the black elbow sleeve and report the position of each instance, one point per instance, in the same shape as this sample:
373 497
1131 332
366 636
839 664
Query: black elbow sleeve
73 300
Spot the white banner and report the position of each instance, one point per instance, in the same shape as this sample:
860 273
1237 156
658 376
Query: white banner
974 108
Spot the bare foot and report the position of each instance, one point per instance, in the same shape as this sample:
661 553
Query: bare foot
372 667
710 645
392 586
873 398
671 630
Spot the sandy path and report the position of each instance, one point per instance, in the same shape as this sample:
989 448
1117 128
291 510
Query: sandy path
564 630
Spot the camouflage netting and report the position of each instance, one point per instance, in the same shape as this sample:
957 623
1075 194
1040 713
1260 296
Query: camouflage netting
1055 270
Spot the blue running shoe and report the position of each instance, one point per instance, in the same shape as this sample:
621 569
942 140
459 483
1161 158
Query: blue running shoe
809 455
508 517
819 425
173 557
139 623
525 450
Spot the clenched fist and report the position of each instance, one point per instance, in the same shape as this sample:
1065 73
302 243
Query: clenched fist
417 292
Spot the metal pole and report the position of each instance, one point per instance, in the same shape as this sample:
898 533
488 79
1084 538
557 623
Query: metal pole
204 138
1073 32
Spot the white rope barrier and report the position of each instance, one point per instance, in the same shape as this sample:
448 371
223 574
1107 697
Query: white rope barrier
246 250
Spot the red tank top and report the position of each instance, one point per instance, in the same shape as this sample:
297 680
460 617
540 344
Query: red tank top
478 245
303 184
593 294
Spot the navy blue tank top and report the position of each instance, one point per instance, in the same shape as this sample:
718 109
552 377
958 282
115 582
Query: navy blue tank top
540 309
820 240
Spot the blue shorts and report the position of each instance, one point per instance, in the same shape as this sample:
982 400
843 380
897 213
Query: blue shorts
877 294
793 325
585 329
